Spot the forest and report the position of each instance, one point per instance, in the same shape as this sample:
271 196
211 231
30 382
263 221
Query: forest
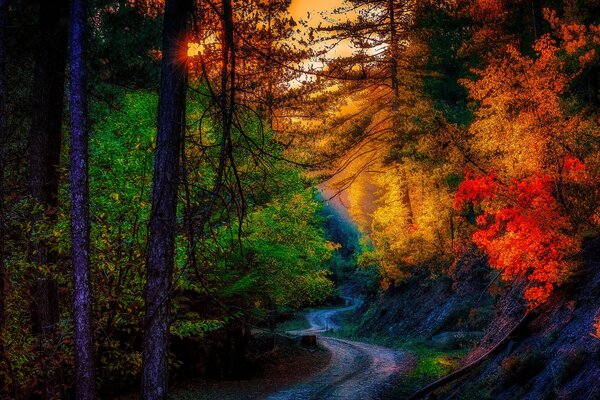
299 199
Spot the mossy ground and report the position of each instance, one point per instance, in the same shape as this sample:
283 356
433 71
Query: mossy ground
297 323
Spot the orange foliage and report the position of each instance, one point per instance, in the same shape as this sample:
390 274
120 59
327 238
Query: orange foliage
577 38
520 117
596 331
523 231
487 9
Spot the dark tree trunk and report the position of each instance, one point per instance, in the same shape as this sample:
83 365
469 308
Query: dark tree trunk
3 17
592 73
161 240
538 18
80 221
396 101
410 218
48 96
45 145
393 54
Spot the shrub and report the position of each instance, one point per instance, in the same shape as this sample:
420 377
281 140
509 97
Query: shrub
522 368
570 363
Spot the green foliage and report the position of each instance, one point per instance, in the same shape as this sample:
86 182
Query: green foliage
431 364
297 323
445 34
276 258
183 329
123 44
283 255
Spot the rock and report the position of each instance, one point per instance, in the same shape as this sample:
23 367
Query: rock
308 340
455 340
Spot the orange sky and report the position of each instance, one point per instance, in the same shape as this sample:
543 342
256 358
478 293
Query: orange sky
300 9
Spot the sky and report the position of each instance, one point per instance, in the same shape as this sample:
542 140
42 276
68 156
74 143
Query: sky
311 10
300 8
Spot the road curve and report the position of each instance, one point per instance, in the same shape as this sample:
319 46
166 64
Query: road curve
356 371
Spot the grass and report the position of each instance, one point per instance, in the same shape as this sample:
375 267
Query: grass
295 324
431 364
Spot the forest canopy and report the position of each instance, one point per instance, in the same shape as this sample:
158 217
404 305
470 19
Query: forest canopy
164 167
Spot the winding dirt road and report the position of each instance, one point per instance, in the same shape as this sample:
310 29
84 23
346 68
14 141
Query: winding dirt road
356 371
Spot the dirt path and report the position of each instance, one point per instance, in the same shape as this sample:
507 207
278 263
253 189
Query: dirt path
356 370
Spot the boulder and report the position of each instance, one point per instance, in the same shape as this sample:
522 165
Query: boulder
308 340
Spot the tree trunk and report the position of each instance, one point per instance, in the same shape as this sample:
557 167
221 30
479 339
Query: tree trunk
161 240
393 55
410 217
80 221
45 145
592 83
3 17
44 154
538 18
396 104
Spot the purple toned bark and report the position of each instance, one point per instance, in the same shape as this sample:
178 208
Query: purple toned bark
80 221
171 125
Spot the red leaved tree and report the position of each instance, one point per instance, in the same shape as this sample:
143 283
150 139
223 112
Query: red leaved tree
522 230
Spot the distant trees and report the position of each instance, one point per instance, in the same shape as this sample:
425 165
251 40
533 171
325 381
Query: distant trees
504 89
385 135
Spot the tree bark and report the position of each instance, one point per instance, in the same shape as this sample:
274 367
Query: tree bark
393 55
410 217
538 18
592 73
3 17
396 103
45 144
80 221
161 240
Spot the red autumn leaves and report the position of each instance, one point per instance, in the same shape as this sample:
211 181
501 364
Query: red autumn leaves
522 229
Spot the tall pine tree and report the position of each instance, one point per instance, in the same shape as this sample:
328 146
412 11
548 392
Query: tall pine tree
161 240
80 218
